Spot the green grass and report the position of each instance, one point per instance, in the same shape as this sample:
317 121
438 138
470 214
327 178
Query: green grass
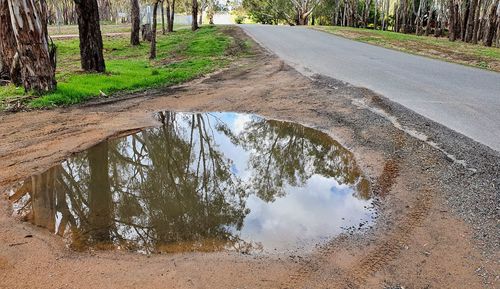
182 56
10 92
440 48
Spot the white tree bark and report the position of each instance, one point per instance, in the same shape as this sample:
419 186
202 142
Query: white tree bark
37 71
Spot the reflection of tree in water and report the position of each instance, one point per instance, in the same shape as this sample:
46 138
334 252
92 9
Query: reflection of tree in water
162 186
183 183
284 153
170 188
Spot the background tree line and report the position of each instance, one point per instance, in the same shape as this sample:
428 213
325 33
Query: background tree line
472 21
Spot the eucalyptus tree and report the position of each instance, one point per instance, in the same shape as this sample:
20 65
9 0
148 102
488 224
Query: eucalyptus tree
170 10
194 14
135 18
152 53
25 56
89 29
9 66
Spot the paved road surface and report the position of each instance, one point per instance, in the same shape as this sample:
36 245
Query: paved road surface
462 98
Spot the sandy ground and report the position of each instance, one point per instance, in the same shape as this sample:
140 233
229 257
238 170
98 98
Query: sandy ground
422 238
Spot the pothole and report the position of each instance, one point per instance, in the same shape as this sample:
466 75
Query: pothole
202 182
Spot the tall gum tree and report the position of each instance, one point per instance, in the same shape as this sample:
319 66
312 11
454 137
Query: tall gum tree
152 53
32 49
91 47
170 15
9 64
136 22
194 13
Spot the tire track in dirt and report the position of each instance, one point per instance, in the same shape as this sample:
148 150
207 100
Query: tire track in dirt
390 246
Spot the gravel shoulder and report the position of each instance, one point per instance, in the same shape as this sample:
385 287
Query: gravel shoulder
436 191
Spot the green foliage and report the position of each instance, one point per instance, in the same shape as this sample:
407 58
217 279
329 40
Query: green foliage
269 11
182 56
239 19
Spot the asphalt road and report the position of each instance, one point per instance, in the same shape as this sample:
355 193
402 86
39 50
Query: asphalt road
462 98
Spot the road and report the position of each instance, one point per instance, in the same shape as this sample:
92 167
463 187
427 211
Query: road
462 98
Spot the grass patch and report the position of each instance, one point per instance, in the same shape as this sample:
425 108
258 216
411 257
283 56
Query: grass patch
10 92
440 48
182 56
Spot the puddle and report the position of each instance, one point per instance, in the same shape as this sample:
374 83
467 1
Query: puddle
202 182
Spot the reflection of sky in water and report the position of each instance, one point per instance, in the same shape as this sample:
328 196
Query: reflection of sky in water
306 215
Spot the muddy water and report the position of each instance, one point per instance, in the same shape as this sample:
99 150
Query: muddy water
202 182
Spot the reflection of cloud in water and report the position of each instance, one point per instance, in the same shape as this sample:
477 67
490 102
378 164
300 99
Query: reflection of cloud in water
314 212
240 122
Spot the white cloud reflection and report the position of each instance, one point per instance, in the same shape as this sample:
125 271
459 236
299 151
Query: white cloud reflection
306 216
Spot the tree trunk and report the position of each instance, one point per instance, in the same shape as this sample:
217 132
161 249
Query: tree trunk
404 12
152 54
491 25
136 22
343 19
438 29
170 15
463 20
451 21
382 16
194 14
366 13
335 17
471 21
395 28
202 8
477 21
497 41
91 47
163 31
302 17
146 32
173 16
9 67
419 20
482 23
429 20
457 25
354 9
37 69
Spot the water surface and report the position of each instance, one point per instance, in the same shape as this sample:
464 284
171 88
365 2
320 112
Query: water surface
202 182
